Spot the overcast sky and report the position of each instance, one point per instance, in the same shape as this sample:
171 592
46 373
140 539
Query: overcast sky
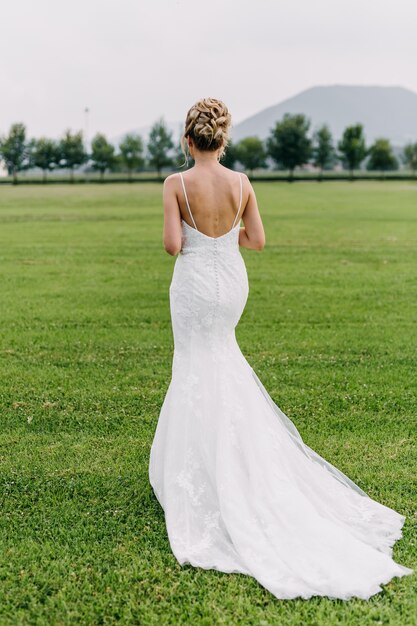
132 61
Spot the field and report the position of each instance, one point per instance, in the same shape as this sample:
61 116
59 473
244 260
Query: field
85 361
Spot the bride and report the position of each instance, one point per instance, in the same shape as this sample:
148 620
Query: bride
240 489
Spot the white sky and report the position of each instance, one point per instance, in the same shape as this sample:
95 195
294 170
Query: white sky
132 61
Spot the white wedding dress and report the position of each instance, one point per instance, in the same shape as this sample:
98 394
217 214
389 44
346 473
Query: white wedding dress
240 489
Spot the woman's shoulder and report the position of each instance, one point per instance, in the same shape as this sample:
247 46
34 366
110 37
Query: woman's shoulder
237 172
171 180
229 170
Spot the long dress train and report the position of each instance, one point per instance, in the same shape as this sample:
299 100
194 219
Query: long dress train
240 489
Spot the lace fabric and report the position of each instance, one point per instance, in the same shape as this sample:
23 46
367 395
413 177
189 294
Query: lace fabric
240 489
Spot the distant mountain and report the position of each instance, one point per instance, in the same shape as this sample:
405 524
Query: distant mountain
384 112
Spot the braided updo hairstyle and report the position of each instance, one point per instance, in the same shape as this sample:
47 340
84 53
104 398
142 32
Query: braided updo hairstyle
207 123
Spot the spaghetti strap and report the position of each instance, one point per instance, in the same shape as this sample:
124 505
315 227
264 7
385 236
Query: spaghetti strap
186 199
240 202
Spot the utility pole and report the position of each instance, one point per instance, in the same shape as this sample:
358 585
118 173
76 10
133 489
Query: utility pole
86 120
86 113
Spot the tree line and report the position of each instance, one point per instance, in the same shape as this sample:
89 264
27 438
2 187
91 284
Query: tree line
69 152
289 145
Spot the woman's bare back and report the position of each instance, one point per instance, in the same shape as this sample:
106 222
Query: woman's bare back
214 196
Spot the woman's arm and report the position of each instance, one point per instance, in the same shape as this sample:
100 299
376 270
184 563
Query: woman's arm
252 235
172 218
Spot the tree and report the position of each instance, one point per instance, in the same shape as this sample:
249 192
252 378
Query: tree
229 157
352 147
251 153
160 141
288 144
71 151
102 154
381 156
409 156
45 155
131 151
323 149
15 150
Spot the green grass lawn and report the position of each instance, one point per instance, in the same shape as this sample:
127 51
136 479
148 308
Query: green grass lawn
85 361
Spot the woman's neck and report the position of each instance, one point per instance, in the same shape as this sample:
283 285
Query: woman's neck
206 159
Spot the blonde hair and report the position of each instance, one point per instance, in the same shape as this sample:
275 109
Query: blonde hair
207 123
